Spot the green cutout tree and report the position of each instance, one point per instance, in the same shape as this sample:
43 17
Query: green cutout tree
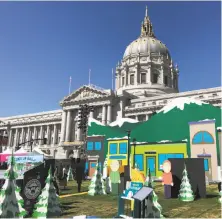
97 185
185 193
70 175
11 203
156 207
48 205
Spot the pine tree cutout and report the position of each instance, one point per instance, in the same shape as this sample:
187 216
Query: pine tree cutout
156 207
149 179
97 185
185 193
48 205
70 175
105 166
11 203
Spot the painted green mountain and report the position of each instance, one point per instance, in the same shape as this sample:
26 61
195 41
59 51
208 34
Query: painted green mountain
171 123
99 129
125 124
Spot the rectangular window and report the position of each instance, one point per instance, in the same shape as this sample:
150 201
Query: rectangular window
98 146
93 165
206 165
86 167
155 78
165 80
143 78
161 159
123 148
89 146
139 161
132 79
123 81
113 148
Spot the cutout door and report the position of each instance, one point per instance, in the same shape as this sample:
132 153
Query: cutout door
151 164
92 168
208 168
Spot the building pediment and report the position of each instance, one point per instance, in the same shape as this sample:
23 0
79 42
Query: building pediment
84 93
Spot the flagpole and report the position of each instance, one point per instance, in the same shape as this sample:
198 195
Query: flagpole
70 81
89 75
112 78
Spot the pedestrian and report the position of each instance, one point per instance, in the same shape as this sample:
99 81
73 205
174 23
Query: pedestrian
79 174
167 179
64 178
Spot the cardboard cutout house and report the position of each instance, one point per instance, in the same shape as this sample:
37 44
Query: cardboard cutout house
203 144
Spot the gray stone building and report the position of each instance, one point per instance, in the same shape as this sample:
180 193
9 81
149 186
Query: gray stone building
146 79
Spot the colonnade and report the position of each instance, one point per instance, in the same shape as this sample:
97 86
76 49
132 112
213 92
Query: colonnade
22 134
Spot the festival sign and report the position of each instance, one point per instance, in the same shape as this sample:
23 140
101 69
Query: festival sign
25 163
134 187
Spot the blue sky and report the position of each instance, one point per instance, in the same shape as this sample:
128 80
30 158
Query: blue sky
42 44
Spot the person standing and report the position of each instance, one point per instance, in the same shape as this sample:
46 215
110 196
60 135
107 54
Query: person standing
79 173
167 179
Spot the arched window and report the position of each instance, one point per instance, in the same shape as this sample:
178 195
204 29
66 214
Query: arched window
203 137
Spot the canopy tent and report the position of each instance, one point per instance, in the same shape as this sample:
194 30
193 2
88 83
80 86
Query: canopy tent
21 151
8 152
38 151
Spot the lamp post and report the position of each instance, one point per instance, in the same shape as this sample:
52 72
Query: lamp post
127 168
134 144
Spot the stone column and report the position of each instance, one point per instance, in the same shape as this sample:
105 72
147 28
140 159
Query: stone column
147 116
48 135
63 126
10 138
78 134
104 114
29 135
41 136
149 76
16 137
91 114
35 133
137 117
22 136
68 126
109 114
136 76
55 134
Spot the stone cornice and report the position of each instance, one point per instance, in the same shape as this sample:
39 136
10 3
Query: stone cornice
45 117
31 125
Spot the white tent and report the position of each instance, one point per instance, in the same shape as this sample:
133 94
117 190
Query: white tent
21 151
7 151
38 151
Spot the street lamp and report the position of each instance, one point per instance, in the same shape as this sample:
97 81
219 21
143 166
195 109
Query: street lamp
127 168
134 144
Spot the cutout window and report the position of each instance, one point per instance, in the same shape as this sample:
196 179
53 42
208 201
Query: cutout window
203 137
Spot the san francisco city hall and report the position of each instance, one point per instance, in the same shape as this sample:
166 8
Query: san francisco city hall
146 80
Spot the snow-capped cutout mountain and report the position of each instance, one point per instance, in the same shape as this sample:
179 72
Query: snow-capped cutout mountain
91 120
180 103
121 121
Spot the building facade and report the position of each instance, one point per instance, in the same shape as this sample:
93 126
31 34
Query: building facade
146 79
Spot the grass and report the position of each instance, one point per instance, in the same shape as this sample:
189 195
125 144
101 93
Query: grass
106 206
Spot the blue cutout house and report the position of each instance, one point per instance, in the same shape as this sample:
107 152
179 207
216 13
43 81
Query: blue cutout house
96 153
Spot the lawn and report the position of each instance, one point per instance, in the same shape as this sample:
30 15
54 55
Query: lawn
106 206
